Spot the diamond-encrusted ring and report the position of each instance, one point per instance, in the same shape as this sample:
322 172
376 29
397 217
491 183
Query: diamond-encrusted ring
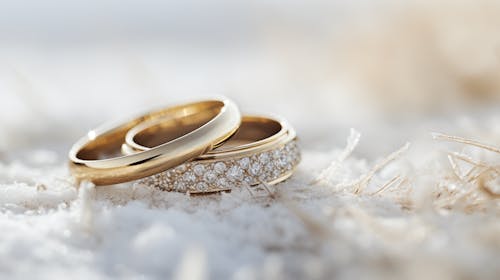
263 151
199 127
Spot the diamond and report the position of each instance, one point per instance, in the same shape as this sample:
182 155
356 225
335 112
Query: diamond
249 180
286 162
264 158
210 177
164 188
202 186
222 183
180 186
155 180
244 162
255 168
220 167
264 177
283 160
235 173
189 177
199 169
276 173
269 168
168 186
276 154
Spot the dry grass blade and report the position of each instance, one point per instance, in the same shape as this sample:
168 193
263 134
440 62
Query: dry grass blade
474 173
247 187
272 195
476 170
468 159
447 201
352 142
477 178
441 136
454 167
388 184
365 180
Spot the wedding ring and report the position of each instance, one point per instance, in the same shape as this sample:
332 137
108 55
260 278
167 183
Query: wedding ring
199 128
262 151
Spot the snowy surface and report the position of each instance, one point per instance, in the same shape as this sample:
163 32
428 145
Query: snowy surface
362 204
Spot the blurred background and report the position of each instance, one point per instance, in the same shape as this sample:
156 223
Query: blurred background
392 69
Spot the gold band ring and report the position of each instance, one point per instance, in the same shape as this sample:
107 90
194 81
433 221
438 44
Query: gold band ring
263 150
201 127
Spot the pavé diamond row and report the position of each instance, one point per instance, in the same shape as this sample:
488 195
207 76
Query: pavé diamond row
206 176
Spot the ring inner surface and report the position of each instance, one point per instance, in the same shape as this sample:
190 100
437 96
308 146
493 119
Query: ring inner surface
175 122
169 129
251 130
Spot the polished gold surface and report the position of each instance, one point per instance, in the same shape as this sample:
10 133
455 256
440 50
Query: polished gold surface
263 150
195 129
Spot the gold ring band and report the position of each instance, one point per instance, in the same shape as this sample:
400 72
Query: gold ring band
201 127
263 150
